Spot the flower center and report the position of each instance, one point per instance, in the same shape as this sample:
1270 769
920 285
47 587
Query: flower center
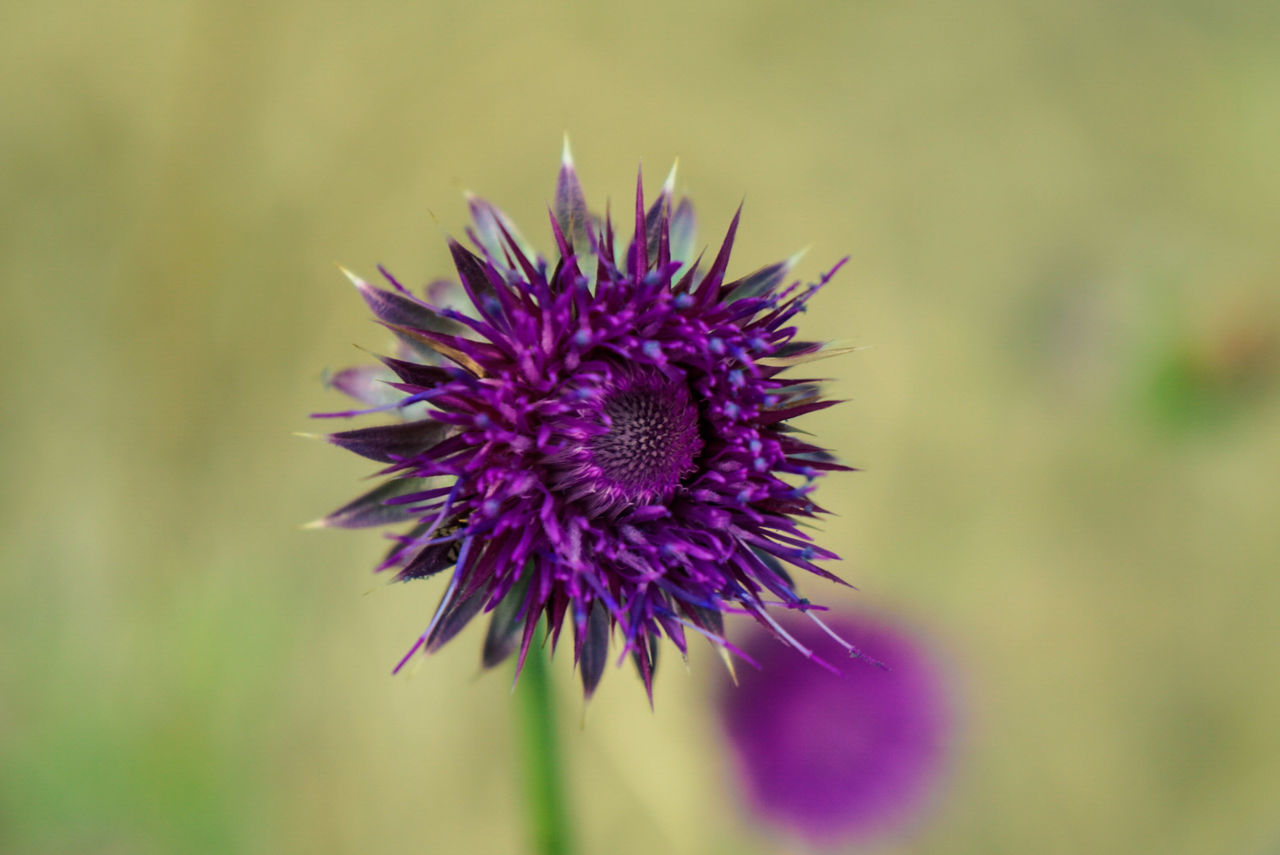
651 437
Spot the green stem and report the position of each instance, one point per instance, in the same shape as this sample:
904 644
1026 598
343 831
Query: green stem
544 788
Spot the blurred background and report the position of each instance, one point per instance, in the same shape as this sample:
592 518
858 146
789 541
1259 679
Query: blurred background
1062 221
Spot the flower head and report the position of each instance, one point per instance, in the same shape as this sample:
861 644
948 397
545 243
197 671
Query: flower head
835 756
599 438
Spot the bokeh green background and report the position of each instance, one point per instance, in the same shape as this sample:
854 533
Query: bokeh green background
1062 220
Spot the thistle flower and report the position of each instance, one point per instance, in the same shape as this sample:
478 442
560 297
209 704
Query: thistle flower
833 757
600 438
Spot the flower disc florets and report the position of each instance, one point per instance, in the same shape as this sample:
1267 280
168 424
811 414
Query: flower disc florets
600 438
632 441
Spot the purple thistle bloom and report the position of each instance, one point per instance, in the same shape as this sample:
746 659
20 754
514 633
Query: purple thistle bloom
837 756
601 437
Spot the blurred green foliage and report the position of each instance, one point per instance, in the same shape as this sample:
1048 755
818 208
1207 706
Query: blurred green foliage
1040 199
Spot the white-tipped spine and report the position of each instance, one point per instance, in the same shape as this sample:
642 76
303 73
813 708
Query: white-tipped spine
669 186
355 280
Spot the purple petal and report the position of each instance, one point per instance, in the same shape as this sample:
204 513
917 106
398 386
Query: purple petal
762 281
372 509
504 627
454 619
450 347
595 648
493 228
571 205
475 278
715 275
393 307
391 443
654 220
365 383
417 374
429 561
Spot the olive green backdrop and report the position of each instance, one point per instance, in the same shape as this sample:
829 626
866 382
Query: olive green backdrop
1062 221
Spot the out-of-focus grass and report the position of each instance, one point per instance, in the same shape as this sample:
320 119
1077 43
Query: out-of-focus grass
1042 202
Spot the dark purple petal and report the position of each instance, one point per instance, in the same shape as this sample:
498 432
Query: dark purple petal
402 309
645 658
571 205
504 627
762 281
655 230
390 443
475 278
784 413
595 648
446 346
417 374
372 509
715 274
797 348
454 619
638 252
429 561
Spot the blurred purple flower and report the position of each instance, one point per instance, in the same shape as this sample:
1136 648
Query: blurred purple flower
600 438
834 756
